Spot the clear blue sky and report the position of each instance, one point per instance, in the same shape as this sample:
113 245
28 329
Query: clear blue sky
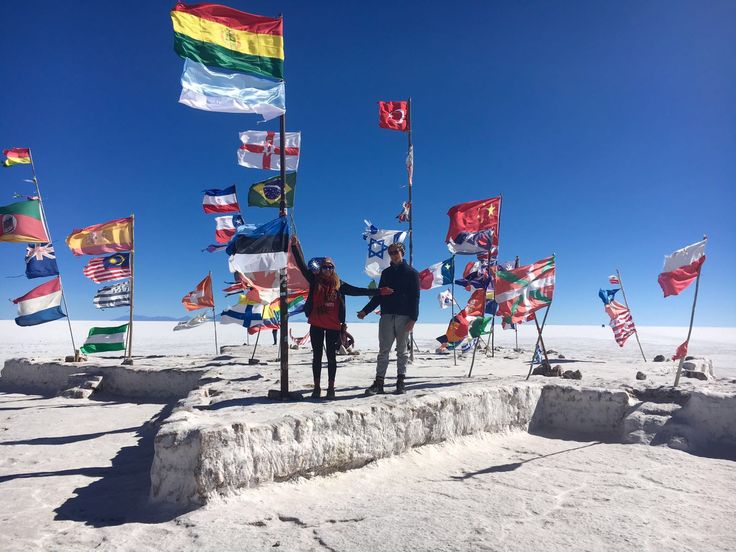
609 128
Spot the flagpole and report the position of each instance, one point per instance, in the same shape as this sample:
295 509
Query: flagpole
516 327
129 351
690 329
539 339
454 352
636 332
214 324
48 235
411 209
283 280
493 332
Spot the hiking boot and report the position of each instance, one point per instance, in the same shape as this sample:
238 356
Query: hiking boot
330 393
316 393
400 385
376 388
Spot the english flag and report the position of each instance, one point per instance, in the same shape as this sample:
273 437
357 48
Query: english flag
681 268
393 115
201 297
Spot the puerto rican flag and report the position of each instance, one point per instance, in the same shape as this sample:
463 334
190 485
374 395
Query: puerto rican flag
41 304
220 201
226 227
681 268
262 150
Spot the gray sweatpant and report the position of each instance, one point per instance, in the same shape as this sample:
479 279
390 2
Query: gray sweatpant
392 327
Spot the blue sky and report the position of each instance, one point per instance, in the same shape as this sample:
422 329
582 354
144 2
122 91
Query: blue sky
609 128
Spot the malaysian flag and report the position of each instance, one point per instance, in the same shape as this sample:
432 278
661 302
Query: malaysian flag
104 269
116 295
621 323
613 280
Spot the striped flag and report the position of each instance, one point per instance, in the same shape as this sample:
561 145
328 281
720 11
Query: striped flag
104 269
220 201
613 280
17 156
116 295
41 304
621 323
102 340
524 290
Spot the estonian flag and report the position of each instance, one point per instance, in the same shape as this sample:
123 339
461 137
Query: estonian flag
261 250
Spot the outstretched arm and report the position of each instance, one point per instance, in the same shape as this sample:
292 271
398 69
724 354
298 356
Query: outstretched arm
373 303
296 249
347 289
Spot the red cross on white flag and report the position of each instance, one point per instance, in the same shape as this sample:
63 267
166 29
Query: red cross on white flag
262 150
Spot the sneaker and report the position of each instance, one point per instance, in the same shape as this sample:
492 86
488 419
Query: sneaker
316 393
400 385
376 388
330 393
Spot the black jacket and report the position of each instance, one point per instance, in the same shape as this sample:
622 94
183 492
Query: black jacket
345 288
405 299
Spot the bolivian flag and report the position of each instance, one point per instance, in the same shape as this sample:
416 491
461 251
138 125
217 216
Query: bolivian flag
108 237
268 192
223 37
17 156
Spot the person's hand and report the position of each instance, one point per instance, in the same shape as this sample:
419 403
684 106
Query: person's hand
343 327
385 291
410 325
361 315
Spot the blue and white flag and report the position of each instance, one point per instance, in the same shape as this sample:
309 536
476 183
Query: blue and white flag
378 241
41 261
41 304
607 295
231 92
245 313
537 355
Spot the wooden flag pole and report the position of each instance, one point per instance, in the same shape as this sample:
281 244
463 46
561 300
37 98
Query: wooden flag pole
493 332
517 262
539 340
454 352
214 324
690 328
636 332
410 152
48 234
283 280
129 349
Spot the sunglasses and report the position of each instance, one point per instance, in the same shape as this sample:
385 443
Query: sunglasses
327 267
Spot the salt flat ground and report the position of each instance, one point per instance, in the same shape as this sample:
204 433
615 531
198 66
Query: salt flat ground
74 474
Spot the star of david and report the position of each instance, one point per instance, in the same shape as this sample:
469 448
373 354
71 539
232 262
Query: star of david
382 247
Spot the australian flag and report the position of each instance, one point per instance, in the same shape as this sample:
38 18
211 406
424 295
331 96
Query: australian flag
41 261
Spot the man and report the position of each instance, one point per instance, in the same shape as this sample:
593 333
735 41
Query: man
399 312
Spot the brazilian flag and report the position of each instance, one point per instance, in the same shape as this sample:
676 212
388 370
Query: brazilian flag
268 192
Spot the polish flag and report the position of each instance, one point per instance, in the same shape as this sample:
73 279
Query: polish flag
613 280
681 268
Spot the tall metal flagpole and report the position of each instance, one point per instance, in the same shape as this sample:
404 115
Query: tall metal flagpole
410 172
283 281
636 332
493 325
690 329
48 234
214 323
454 351
129 349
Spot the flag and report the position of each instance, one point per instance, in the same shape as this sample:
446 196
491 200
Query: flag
393 115
220 201
474 226
295 305
41 261
262 249
193 322
268 192
445 298
479 326
261 149
22 222
476 274
410 164
613 280
214 247
681 351
607 295
537 358
104 269
231 92
17 156
456 330
526 289
405 213
681 268
621 322
41 304
201 297
438 274
476 303
242 284
105 339
108 237
226 226
220 36
378 240
116 295
245 313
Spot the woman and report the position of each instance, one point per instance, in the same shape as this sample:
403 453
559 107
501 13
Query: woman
325 310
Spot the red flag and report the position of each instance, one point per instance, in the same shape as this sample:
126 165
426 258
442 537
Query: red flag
681 351
524 290
393 115
476 303
474 216
456 330
682 268
200 297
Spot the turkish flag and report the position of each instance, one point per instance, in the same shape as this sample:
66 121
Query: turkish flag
393 115
200 297
474 216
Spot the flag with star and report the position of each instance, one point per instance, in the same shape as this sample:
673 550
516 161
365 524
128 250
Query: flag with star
474 227
378 240
41 261
438 274
268 192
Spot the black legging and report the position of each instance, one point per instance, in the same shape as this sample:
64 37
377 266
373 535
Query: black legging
319 336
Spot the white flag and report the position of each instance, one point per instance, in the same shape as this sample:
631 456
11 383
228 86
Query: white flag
262 150
377 258
445 298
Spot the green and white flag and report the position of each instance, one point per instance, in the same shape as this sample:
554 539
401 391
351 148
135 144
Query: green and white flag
102 340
